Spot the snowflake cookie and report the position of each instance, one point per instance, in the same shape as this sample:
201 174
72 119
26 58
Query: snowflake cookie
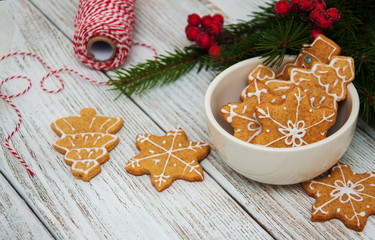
242 117
344 195
167 158
86 141
293 123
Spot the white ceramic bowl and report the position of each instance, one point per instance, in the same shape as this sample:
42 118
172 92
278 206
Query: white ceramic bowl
274 165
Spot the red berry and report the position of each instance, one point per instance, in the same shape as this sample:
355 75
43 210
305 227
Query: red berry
214 52
324 21
218 18
206 20
282 8
305 5
315 32
203 40
194 19
315 14
294 4
192 32
320 4
334 13
214 28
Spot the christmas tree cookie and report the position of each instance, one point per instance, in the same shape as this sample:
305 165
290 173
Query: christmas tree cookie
86 141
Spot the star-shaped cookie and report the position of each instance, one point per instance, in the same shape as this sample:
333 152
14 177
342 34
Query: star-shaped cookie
344 195
293 123
167 158
241 116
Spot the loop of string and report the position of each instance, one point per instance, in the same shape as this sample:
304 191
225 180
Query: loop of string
7 98
113 19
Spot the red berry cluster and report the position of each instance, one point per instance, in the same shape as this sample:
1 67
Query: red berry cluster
315 10
204 30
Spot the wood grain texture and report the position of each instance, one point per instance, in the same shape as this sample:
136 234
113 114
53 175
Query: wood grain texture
284 211
115 204
16 218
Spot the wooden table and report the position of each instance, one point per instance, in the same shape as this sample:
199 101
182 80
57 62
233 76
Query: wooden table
115 204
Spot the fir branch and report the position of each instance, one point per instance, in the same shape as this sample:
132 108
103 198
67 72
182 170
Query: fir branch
285 38
165 69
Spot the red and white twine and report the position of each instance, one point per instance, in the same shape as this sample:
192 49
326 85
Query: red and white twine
8 98
113 19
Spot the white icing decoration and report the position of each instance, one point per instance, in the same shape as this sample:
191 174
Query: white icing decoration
251 78
231 112
252 126
69 124
347 192
161 178
89 137
257 92
108 120
327 87
92 122
244 109
292 132
243 93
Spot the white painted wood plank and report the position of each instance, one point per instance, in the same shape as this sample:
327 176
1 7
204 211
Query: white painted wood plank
115 204
283 210
17 221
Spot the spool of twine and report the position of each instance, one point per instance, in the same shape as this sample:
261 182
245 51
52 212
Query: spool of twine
103 32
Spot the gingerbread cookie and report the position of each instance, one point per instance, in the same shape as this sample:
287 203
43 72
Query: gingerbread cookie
167 158
260 72
293 123
322 49
324 84
344 195
241 116
86 141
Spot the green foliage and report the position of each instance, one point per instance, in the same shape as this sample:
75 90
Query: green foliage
165 69
275 43
271 37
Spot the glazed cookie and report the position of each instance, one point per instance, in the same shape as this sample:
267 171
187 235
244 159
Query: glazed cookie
293 123
260 72
344 195
324 84
241 116
167 158
322 49
86 141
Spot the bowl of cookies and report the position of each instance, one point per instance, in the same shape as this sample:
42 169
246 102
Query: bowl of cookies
284 125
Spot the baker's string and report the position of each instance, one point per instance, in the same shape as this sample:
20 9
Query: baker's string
8 98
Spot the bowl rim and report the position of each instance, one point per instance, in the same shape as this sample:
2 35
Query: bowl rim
352 119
